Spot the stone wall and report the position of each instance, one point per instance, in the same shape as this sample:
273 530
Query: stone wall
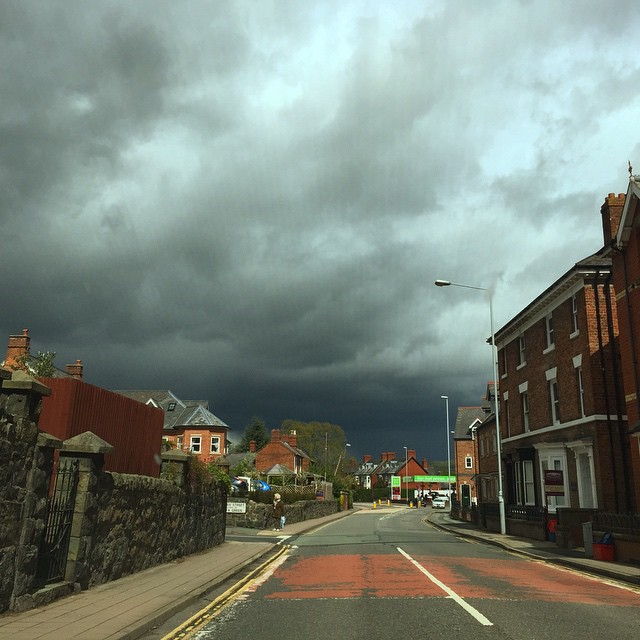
25 469
141 522
120 523
257 514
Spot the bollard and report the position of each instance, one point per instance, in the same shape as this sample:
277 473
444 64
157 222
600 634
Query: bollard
375 504
411 505
388 503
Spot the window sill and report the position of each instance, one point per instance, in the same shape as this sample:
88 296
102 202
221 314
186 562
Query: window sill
549 349
574 335
521 365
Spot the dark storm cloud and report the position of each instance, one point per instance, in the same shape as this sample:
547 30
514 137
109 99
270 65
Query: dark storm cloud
249 202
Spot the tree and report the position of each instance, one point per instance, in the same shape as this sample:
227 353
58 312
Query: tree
255 430
324 442
40 365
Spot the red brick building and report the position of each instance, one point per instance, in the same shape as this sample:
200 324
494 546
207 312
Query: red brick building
465 448
561 399
282 450
188 424
620 220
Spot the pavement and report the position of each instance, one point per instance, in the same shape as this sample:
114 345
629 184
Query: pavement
127 608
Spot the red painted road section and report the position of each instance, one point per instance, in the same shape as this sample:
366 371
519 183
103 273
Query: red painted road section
391 576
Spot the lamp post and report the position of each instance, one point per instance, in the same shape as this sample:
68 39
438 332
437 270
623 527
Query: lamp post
446 404
406 464
494 362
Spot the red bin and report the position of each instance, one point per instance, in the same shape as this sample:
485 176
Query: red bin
603 551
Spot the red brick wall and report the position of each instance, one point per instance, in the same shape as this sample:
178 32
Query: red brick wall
628 306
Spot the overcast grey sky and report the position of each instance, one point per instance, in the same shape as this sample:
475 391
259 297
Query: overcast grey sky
248 202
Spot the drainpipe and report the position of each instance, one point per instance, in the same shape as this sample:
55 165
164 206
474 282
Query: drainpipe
636 381
605 386
622 428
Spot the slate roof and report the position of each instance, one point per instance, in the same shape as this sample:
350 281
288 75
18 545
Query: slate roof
177 413
465 418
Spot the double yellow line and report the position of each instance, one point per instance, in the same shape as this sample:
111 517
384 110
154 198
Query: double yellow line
186 629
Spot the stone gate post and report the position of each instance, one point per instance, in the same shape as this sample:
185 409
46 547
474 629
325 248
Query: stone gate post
89 450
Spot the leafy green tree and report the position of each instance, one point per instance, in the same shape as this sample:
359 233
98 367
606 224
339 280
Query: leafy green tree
255 430
41 365
324 442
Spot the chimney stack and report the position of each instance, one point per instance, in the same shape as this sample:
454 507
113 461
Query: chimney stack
76 369
18 346
411 453
611 212
293 439
275 435
252 446
366 459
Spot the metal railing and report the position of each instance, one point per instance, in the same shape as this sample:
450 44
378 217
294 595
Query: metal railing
625 523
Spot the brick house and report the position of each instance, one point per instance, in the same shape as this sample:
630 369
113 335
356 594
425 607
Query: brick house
465 453
560 399
487 486
620 220
282 449
380 473
188 424
363 474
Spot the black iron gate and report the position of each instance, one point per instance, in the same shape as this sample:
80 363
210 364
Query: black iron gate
55 541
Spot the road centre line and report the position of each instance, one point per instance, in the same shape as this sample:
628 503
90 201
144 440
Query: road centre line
452 594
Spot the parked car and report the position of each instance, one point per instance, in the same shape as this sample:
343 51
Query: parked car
439 503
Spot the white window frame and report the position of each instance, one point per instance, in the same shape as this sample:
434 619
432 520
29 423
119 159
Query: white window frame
555 401
522 351
504 362
507 413
528 482
574 317
580 381
468 462
195 444
548 324
179 442
524 401
215 439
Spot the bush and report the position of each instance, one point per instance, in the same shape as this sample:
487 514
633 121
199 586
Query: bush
369 495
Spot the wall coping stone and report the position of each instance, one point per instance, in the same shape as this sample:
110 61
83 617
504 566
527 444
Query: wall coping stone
86 442
5 374
21 381
174 455
47 440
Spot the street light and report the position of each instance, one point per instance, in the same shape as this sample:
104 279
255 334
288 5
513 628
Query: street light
446 403
406 464
494 362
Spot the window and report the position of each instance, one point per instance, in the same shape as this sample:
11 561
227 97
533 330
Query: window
525 410
549 328
528 482
574 315
215 444
468 462
171 407
580 382
522 356
179 442
481 447
195 444
555 403
504 362
505 413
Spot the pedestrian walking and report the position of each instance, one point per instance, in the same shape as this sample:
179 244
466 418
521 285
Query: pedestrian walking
277 513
